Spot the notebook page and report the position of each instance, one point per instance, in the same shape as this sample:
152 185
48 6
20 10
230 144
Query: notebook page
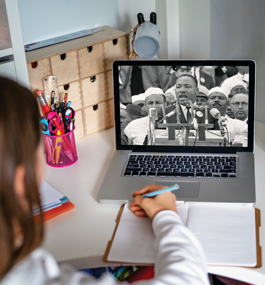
134 238
227 233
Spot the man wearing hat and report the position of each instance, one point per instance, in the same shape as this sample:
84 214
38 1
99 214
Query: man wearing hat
128 114
138 100
202 96
218 102
137 130
243 75
238 86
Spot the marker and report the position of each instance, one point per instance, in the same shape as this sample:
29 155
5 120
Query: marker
57 146
52 97
43 103
155 193
62 133
65 99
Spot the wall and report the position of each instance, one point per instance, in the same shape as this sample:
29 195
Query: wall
194 21
237 32
42 20
190 29
225 29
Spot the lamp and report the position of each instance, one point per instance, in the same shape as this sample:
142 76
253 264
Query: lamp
145 37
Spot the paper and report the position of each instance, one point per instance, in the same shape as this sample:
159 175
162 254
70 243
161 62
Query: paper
50 197
134 239
129 247
227 234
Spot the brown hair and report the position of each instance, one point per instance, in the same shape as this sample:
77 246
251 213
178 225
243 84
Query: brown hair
19 139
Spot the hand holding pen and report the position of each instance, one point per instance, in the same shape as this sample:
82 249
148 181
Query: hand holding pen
142 206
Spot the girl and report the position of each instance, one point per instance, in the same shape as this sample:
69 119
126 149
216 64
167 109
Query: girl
179 257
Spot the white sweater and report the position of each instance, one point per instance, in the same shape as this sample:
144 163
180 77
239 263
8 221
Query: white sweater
179 260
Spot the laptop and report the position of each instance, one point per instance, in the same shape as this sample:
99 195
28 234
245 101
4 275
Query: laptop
210 160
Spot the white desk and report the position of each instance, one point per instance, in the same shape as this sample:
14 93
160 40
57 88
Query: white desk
80 236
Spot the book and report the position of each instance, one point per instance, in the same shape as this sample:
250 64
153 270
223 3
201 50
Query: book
229 235
47 215
53 202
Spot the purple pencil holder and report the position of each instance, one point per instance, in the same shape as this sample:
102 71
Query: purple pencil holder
60 149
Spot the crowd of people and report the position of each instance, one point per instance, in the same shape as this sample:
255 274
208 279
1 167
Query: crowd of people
192 91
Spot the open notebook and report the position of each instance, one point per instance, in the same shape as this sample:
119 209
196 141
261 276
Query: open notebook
228 237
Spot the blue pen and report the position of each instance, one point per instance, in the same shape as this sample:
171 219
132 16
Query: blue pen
155 193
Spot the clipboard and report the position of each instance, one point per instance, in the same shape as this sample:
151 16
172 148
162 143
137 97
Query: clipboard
106 254
109 245
258 224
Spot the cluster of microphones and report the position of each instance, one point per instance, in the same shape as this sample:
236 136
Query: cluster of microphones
215 113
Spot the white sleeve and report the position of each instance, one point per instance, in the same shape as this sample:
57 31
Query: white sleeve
179 256
179 260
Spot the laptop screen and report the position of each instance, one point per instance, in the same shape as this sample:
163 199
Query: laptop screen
184 105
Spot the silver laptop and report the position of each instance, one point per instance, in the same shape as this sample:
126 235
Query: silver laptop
208 152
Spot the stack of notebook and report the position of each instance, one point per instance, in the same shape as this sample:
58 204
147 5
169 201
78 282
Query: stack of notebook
53 202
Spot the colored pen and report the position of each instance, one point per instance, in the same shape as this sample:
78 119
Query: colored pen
57 146
62 132
52 97
43 103
155 193
65 99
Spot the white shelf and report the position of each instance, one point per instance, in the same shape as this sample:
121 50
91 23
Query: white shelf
8 70
11 41
5 50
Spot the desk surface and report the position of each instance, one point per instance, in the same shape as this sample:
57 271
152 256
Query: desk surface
80 236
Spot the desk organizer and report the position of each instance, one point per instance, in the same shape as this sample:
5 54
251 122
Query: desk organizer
60 150
83 68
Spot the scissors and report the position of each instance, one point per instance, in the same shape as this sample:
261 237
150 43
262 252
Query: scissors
55 123
67 114
45 126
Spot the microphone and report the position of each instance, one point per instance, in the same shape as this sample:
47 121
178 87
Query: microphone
221 120
153 117
153 114
217 115
170 114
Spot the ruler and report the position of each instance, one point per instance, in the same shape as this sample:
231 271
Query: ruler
49 85
61 39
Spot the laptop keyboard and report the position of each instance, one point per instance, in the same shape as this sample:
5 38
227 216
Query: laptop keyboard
181 166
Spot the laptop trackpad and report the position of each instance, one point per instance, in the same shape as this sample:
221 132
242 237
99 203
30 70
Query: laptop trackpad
187 189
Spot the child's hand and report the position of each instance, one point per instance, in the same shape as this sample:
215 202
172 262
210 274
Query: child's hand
143 207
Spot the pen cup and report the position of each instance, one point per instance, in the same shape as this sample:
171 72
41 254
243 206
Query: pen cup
60 149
